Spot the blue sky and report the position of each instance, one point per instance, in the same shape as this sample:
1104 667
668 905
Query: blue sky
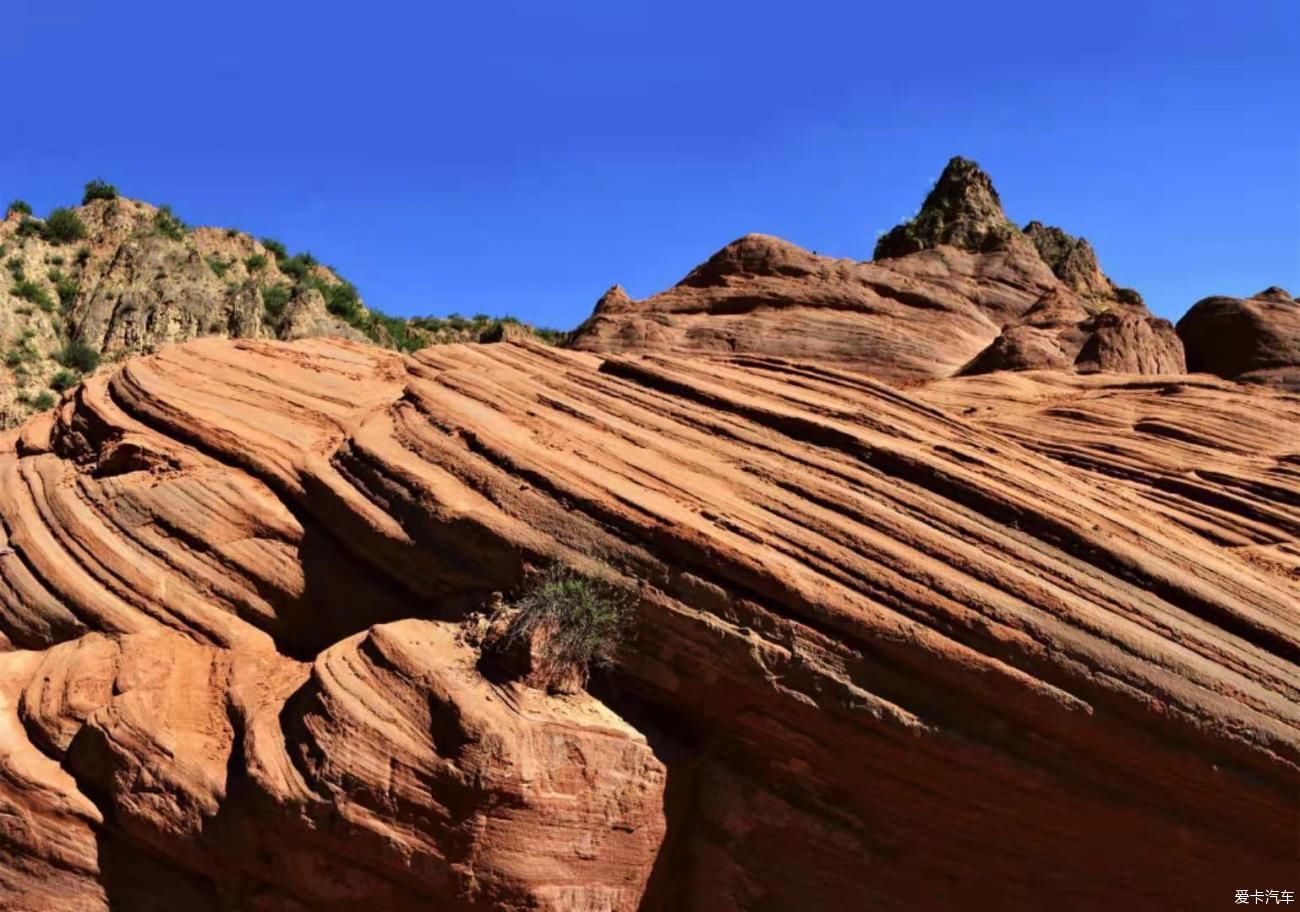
522 157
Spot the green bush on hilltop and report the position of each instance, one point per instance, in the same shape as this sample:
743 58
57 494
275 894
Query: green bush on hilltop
98 190
166 224
278 250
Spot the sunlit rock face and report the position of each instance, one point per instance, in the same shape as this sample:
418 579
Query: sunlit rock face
1008 636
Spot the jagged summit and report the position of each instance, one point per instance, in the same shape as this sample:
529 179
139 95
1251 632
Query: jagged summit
613 300
963 209
959 288
1074 262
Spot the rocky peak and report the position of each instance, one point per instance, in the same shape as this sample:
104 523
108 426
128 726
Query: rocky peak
1071 259
1275 293
1074 262
963 209
752 255
614 300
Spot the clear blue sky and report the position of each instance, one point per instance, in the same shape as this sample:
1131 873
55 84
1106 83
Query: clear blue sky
521 157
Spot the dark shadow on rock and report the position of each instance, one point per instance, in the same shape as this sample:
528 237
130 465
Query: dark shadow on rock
680 751
136 881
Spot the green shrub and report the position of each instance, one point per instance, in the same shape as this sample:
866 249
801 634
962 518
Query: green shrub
576 622
232 232
275 299
216 264
63 227
56 261
20 206
166 224
15 266
13 358
342 300
298 266
44 400
393 332
278 250
255 263
29 227
78 356
98 190
65 286
63 380
83 256
30 291
1129 296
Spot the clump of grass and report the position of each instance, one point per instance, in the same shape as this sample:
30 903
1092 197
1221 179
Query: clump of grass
78 356
30 291
575 623
218 266
255 263
63 380
166 224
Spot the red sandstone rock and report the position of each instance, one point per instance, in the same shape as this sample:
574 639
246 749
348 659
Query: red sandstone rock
1254 339
1006 637
958 288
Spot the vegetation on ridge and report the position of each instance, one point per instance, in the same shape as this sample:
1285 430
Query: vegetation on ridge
136 276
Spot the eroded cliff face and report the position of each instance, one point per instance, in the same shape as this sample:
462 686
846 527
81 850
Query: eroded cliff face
138 280
957 289
995 639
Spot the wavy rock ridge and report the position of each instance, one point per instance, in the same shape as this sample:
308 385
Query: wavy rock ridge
958 289
881 642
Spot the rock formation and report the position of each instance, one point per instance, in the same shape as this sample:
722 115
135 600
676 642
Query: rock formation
993 640
957 289
1254 339
962 210
133 278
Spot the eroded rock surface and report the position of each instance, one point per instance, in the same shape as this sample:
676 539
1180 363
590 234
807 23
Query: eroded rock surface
956 289
1005 636
1254 339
